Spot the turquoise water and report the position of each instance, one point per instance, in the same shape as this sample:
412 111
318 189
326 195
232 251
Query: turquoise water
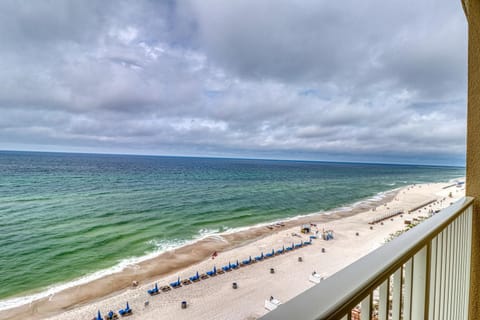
64 216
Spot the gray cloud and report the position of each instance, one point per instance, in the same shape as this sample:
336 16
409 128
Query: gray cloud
360 81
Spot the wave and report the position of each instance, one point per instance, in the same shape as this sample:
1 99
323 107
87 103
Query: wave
123 264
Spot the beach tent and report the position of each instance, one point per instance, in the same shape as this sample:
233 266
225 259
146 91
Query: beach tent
305 228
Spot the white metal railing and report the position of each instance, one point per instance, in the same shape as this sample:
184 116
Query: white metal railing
422 274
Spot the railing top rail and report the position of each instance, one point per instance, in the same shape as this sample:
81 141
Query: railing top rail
335 296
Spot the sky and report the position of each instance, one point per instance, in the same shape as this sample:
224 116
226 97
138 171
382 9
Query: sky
367 81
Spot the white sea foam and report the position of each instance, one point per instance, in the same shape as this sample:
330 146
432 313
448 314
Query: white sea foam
132 262
51 291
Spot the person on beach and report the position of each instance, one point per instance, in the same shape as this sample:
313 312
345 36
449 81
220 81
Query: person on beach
214 254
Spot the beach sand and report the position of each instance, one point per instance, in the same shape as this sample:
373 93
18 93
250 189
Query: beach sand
214 298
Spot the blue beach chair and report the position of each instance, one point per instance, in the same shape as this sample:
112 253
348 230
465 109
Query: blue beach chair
196 277
271 254
299 245
99 316
306 243
153 291
235 265
111 316
213 272
248 261
176 284
259 258
125 312
227 268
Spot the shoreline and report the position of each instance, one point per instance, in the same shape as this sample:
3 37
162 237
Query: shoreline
181 258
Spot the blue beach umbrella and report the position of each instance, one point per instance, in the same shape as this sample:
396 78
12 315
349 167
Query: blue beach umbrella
283 247
250 259
237 262
273 252
156 287
214 269
261 254
178 280
197 276
128 307
99 316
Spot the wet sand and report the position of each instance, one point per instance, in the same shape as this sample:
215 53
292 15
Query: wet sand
214 298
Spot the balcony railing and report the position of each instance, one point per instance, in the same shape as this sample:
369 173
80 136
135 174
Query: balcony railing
422 274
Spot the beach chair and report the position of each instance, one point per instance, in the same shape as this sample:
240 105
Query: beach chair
203 276
111 316
195 278
154 291
213 272
247 261
280 251
227 268
186 282
259 258
272 304
176 284
125 312
99 316
315 278
165 288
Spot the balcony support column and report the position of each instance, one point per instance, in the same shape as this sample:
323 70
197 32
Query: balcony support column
472 10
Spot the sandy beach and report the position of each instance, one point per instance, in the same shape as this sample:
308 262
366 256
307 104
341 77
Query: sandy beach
214 298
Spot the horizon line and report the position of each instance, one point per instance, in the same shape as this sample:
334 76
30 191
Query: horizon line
232 158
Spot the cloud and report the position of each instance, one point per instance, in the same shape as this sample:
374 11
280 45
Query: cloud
359 81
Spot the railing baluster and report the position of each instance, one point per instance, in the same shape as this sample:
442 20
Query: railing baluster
439 274
407 302
420 278
468 257
452 291
463 250
383 300
445 282
366 307
433 275
449 274
397 294
456 275
463 270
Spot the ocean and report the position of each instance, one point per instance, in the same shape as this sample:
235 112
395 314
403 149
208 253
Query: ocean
67 218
